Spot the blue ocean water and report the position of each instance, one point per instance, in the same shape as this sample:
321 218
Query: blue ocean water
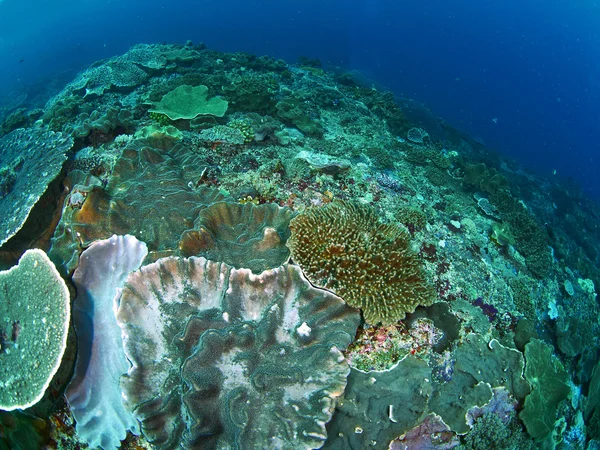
522 77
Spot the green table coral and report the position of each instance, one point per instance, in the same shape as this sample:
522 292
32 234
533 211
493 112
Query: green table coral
548 378
34 322
31 159
188 102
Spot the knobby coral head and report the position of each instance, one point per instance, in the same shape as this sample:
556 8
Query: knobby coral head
345 248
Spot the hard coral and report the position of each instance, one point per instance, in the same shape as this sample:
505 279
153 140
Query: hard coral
242 235
344 247
223 358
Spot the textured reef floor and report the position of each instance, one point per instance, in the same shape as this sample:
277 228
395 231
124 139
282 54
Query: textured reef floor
270 255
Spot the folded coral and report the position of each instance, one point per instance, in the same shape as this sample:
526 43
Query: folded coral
243 236
223 358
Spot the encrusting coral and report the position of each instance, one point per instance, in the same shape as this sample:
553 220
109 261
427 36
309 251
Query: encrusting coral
344 247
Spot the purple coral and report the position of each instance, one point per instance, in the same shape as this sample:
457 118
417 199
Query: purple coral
489 310
431 434
388 182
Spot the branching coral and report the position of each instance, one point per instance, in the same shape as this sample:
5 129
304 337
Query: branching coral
344 247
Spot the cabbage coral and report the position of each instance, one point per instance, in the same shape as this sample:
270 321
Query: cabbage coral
345 248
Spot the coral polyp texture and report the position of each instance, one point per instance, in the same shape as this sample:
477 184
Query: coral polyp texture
148 196
223 358
244 236
345 248
35 310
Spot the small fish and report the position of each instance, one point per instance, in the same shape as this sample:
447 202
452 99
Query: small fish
21 61
495 120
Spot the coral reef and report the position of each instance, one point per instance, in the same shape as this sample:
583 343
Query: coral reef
35 310
375 198
222 357
344 247
31 159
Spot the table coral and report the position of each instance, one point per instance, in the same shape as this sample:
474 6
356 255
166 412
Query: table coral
344 247
31 159
188 102
223 358
35 310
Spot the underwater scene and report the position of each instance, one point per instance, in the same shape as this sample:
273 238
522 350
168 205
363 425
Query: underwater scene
207 249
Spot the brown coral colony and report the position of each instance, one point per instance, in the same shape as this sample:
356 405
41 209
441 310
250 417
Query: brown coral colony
344 247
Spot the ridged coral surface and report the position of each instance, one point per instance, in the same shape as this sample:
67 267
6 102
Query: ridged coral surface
223 358
344 247
244 236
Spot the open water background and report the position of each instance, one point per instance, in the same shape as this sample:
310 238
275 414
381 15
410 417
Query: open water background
522 76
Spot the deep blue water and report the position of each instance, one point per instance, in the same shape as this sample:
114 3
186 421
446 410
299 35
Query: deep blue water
522 76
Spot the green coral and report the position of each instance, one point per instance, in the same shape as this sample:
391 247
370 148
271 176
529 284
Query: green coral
490 432
411 217
530 238
159 132
245 127
380 406
548 379
592 410
188 102
344 247
291 111
35 311
252 93
382 158
161 119
488 180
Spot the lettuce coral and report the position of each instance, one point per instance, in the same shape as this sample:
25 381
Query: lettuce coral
344 247
548 379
